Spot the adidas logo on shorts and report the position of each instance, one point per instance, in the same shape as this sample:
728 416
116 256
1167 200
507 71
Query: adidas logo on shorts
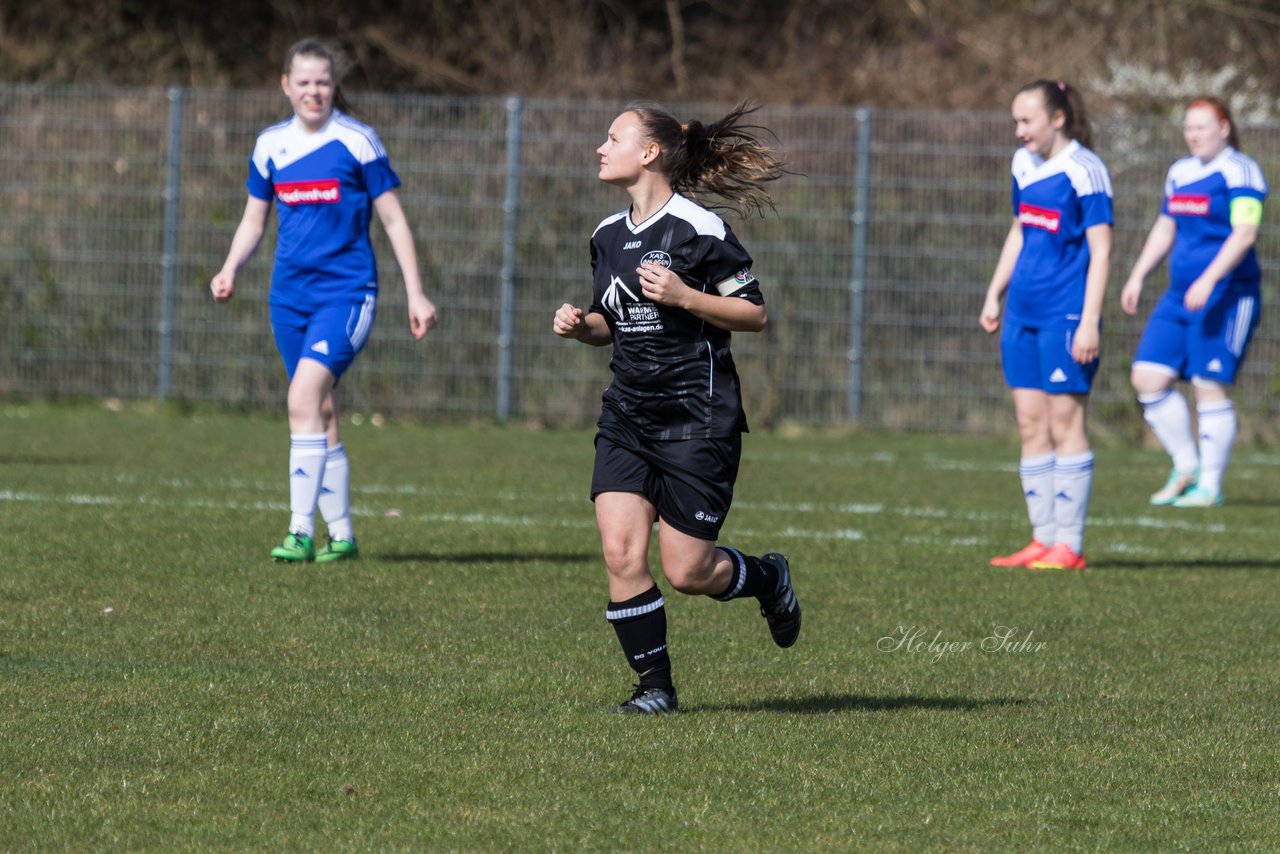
321 347
1058 376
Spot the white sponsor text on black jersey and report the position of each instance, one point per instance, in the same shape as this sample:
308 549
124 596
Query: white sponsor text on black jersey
673 374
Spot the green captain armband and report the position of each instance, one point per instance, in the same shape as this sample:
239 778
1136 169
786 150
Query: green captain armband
1246 210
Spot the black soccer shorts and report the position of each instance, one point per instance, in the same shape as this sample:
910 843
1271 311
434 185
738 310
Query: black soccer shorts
689 481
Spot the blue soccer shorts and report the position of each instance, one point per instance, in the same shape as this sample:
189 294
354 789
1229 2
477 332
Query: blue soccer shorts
1040 358
1209 344
331 334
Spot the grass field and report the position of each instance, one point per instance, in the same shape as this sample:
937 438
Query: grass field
164 686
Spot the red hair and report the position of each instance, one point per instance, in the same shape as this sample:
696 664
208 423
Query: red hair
1223 113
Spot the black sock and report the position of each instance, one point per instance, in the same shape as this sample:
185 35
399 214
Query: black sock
751 577
641 624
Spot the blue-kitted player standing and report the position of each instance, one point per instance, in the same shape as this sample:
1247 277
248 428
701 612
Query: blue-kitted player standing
1201 327
1054 266
327 173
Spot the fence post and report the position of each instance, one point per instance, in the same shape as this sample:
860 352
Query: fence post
169 253
510 230
858 282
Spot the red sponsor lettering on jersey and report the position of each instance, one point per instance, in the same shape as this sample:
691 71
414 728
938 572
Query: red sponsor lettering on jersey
1049 220
323 192
1189 205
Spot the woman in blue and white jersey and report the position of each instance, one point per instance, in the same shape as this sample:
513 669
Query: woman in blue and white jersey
1200 328
328 173
1054 266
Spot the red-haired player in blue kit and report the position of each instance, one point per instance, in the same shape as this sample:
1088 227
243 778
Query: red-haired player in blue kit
1054 267
1201 327
328 172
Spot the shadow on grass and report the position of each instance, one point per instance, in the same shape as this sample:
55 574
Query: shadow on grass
1194 563
1253 502
490 557
830 703
19 460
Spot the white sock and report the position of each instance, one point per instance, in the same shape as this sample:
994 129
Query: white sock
306 473
1072 483
1037 488
1169 417
1217 435
335 494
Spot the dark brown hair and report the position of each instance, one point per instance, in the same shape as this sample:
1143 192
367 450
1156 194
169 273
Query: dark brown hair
1223 112
1060 97
319 50
725 158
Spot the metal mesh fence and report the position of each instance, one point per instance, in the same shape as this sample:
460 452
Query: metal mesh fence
120 204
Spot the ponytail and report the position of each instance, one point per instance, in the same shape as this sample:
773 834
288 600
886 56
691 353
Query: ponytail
1060 97
725 158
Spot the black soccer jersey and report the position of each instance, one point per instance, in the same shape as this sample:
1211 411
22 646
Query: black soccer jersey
673 374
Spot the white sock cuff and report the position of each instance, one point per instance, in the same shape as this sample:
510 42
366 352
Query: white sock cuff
1068 463
1032 466
1218 407
337 452
311 442
1155 398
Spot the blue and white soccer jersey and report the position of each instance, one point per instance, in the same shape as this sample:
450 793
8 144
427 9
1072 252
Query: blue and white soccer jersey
325 281
1056 201
1205 200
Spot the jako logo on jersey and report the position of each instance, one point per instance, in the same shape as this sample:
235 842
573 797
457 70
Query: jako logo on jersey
612 299
658 257
1189 205
309 192
1035 217
634 244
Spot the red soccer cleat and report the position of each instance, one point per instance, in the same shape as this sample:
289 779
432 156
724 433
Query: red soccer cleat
1023 556
1059 557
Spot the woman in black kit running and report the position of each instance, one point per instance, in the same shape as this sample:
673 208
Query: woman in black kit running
671 282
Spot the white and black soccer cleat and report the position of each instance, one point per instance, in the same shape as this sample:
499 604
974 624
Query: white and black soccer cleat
782 609
649 701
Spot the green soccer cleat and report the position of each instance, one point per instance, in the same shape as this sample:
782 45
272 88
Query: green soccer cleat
1174 488
296 548
338 550
1197 496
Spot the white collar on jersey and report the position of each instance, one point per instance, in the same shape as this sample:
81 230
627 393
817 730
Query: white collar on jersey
1069 149
636 228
